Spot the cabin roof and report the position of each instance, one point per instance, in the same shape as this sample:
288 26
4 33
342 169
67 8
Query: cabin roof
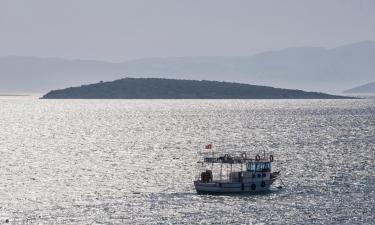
233 160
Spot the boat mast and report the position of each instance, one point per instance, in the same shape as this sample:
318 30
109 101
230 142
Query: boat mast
264 154
221 170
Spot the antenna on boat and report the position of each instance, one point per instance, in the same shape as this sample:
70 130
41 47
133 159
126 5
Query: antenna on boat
264 154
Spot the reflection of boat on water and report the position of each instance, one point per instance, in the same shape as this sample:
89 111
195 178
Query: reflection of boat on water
237 173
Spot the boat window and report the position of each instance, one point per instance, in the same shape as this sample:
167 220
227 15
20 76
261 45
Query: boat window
250 167
257 166
266 167
261 166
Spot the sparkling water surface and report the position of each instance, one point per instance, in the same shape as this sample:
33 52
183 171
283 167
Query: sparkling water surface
134 161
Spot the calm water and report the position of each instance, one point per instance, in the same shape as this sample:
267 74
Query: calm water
133 161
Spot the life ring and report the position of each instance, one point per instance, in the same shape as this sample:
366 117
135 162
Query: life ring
271 158
253 187
257 157
244 156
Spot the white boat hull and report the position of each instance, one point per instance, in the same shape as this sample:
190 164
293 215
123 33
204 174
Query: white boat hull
225 187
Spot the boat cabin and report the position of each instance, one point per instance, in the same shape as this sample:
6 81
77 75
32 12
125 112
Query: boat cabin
232 168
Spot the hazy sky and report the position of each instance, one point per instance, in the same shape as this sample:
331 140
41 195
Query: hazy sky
119 30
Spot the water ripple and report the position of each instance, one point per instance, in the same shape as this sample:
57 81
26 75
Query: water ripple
133 161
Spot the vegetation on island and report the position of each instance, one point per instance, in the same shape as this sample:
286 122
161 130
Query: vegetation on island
157 88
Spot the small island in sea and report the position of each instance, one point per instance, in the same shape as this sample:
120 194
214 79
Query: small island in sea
158 88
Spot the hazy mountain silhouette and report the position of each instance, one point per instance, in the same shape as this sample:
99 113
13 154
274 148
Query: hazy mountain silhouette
307 68
363 89
156 88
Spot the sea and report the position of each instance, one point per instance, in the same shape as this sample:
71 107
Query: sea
134 161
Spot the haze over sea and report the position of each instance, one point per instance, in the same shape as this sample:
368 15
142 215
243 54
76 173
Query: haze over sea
134 161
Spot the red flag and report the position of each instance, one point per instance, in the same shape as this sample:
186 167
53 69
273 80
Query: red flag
209 146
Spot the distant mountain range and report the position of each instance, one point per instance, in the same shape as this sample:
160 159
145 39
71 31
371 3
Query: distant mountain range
363 89
306 68
156 88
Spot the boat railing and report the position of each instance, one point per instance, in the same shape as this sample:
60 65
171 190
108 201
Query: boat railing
235 158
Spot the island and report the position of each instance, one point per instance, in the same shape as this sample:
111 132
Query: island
158 88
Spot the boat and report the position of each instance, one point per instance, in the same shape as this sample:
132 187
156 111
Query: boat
235 173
